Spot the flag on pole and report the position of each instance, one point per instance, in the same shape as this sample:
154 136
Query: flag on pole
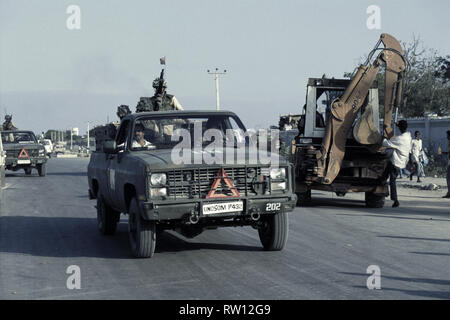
162 60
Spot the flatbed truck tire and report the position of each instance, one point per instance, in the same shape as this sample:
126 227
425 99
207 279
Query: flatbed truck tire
142 233
107 218
374 200
304 198
274 231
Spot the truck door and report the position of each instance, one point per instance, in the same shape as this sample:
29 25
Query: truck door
114 171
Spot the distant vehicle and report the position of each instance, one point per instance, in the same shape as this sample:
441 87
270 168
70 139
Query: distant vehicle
59 148
48 145
2 165
23 152
158 193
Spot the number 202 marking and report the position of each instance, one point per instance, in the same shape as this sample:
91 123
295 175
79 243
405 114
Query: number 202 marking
273 206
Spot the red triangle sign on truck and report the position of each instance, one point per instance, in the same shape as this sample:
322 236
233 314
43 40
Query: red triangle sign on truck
221 174
23 153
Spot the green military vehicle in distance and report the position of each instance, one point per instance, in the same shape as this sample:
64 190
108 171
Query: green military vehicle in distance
23 152
157 192
2 166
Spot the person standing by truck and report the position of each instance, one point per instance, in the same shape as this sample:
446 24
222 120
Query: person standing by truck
416 150
448 166
399 148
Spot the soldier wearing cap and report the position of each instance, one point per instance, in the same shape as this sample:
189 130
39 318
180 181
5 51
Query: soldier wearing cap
160 101
399 148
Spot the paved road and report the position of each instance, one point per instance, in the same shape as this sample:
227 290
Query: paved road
48 224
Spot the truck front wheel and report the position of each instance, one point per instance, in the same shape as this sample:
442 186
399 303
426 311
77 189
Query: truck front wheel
142 233
107 218
273 231
374 200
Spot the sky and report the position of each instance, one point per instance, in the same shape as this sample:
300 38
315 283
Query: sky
52 77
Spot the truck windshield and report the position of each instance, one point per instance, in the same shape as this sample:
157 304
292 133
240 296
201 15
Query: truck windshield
165 133
18 137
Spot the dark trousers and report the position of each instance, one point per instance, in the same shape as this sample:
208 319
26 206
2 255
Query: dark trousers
392 171
448 180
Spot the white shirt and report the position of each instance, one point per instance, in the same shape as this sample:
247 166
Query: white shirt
401 147
147 145
416 148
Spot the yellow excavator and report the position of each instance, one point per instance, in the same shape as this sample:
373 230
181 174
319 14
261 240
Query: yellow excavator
338 147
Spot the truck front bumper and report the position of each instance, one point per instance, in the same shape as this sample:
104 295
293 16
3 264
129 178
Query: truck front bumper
24 163
175 210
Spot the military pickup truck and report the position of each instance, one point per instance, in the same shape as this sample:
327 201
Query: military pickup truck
23 152
137 174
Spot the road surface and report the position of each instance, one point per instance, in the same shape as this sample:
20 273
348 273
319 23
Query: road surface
48 224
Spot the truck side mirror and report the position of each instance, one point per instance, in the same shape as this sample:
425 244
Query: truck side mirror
109 147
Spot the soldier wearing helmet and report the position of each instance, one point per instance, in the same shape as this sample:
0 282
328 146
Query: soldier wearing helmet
8 125
160 101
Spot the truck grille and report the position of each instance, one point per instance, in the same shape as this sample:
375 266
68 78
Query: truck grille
197 183
15 153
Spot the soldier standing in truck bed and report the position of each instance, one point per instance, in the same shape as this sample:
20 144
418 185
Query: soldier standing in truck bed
161 101
8 125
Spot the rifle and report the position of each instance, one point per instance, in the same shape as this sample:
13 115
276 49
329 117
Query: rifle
159 91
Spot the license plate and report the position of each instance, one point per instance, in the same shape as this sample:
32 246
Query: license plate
223 207
23 161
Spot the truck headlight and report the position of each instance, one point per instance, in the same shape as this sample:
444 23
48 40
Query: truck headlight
278 186
278 173
158 179
158 192
41 152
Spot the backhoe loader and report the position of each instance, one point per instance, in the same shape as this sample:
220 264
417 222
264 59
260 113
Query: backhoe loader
338 146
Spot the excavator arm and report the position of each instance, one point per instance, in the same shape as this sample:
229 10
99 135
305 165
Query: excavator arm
345 109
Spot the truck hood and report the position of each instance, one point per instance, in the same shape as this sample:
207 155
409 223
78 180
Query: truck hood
19 146
160 159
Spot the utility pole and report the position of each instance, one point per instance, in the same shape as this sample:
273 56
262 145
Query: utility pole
216 76
88 145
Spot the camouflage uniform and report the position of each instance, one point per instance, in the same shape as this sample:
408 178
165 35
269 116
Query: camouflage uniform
164 100
8 125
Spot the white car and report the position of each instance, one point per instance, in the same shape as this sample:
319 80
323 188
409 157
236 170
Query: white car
48 146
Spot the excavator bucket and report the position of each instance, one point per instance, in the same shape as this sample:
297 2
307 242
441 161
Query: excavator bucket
365 131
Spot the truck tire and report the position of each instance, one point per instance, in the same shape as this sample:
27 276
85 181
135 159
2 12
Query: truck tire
374 200
27 171
274 231
304 198
142 234
107 218
42 170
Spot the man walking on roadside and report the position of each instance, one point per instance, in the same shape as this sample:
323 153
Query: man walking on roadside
416 149
448 166
399 147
